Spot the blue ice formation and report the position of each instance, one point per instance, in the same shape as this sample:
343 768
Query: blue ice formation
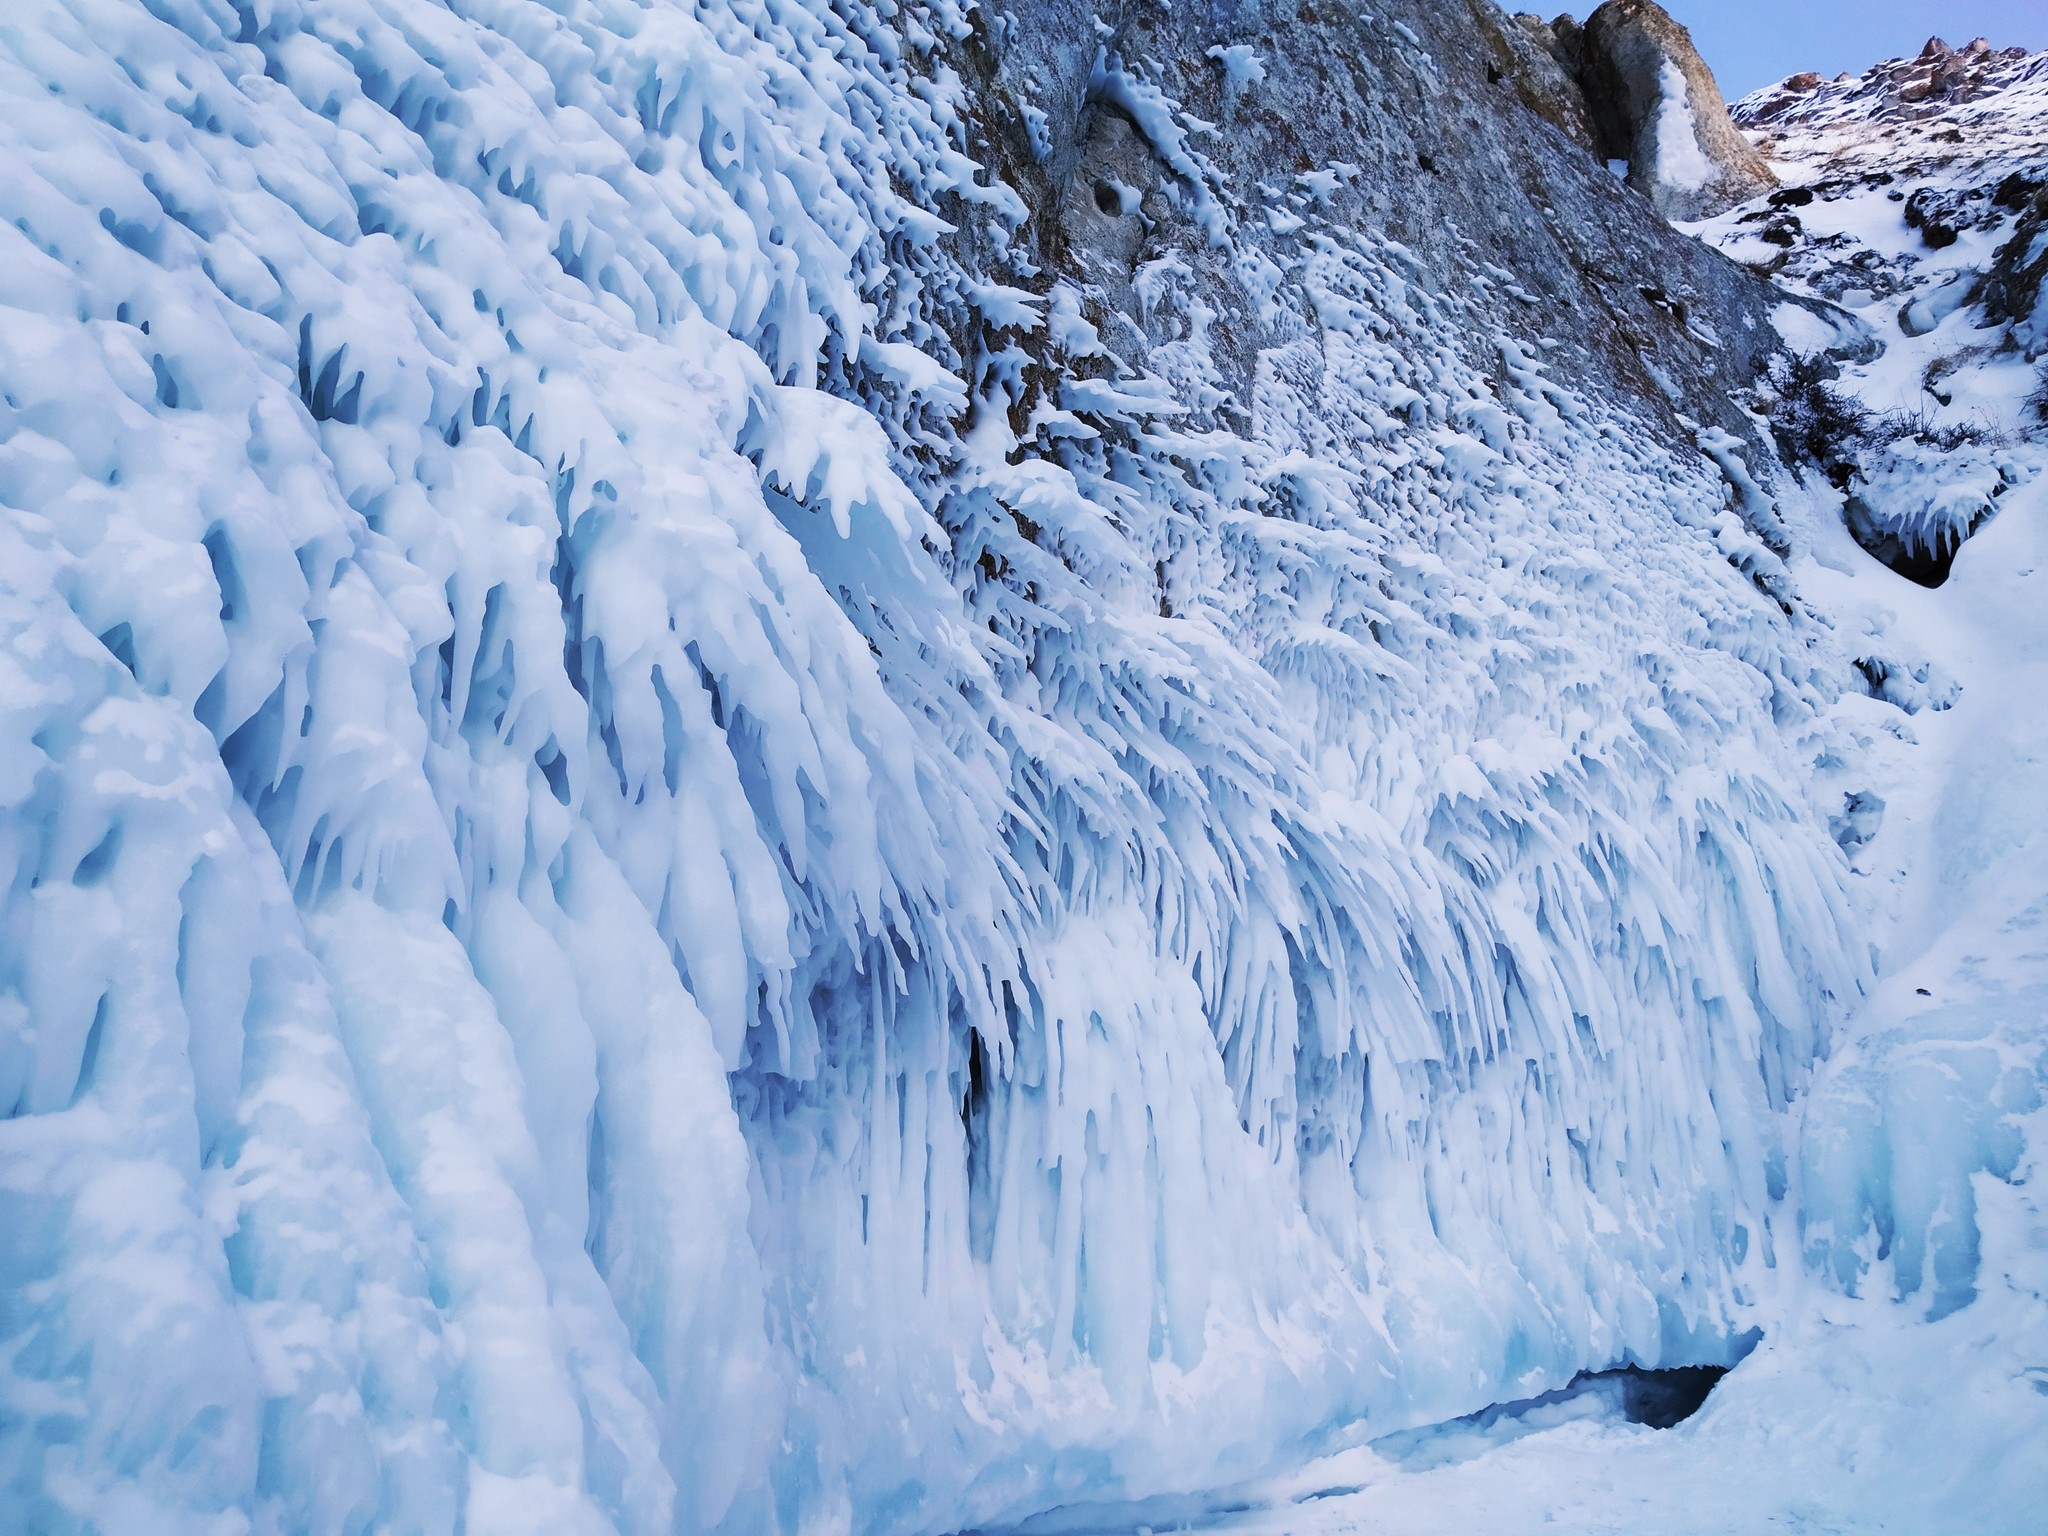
631 905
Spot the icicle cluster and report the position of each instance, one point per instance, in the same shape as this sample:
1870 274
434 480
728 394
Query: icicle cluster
631 904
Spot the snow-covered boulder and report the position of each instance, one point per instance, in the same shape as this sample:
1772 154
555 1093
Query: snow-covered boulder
1655 104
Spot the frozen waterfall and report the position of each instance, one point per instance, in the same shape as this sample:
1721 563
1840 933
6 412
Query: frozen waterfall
675 858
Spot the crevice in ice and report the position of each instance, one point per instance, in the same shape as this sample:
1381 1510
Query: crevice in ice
1661 1399
1654 1397
89 1056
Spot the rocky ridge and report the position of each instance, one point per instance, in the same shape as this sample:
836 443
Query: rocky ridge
1898 90
1954 142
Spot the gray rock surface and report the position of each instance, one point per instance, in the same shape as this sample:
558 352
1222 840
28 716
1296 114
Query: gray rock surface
1451 128
1526 54
1654 103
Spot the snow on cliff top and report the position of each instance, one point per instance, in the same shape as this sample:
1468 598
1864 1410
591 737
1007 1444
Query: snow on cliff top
1902 96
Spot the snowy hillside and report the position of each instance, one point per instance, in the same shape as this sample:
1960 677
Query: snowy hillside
699 834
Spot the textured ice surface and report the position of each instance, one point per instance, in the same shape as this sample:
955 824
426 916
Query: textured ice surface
1902 1383
622 915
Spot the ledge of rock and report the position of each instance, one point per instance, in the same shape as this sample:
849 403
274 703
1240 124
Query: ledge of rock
1654 103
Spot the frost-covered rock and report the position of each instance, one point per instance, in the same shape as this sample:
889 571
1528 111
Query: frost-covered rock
2015 287
1655 104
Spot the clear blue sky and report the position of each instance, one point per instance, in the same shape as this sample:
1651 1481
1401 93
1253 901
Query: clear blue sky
1750 43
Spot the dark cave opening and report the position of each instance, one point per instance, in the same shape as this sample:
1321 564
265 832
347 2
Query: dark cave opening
1661 1399
1918 562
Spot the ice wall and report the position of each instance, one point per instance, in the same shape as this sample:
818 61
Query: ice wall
670 864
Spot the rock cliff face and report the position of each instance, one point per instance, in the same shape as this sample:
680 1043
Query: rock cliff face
1451 129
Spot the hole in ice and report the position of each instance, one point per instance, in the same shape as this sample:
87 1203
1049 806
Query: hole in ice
93 868
1628 1394
1926 562
220 554
89 1058
555 769
1861 816
1661 1399
166 382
